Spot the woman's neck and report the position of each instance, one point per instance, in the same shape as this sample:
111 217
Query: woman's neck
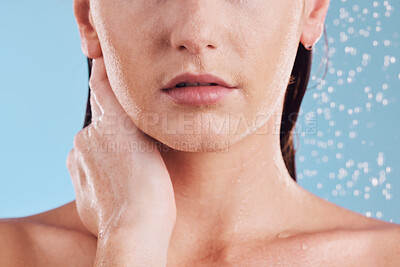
246 189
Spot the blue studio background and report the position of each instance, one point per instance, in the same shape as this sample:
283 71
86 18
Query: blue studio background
348 128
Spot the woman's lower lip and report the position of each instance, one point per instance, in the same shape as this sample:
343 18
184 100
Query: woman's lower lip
198 95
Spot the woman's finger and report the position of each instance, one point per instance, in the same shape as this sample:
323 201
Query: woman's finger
102 91
96 111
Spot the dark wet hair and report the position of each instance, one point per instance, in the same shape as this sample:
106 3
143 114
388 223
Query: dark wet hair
293 98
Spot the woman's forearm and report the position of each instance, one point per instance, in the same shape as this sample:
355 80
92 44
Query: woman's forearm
139 247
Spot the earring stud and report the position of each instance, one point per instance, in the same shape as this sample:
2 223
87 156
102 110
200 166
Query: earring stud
309 47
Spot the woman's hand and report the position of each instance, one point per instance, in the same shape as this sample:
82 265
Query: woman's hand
124 194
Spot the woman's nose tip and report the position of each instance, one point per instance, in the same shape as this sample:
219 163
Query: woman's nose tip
195 37
194 45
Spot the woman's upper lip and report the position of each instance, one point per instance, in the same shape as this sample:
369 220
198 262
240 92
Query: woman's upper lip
196 78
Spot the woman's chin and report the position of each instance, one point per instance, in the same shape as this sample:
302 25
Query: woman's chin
205 131
198 142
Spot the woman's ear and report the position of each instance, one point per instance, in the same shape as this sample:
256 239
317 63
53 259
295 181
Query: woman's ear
313 21
89 40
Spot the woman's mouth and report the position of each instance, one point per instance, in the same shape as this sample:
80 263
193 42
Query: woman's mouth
197 93
204 89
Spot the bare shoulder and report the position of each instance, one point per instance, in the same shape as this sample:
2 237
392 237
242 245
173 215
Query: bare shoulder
346 238
46 239
384 242
328 235
376 246
352 238
325 234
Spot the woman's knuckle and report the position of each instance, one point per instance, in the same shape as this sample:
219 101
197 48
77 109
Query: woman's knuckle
81 139
77 141
70 158
92 100
93 83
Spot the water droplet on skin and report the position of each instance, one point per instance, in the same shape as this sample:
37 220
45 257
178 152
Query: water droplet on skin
284 235
304 246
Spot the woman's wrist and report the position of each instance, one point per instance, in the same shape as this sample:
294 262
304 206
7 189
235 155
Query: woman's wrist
141 246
